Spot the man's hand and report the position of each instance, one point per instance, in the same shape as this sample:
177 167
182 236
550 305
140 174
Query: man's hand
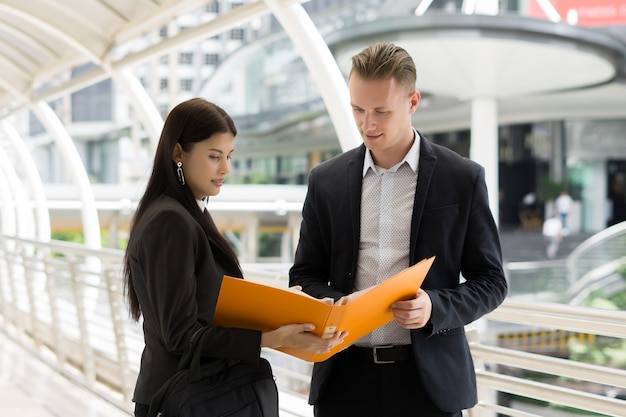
414 313
347 298
298 289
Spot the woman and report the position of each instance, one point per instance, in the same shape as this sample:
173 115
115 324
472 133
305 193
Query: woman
176 256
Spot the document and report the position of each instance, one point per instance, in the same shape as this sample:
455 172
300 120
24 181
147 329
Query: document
250 305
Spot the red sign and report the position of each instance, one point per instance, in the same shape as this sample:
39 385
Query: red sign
581 12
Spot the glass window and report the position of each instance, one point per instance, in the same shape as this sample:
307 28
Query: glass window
236 34
185 58
211 59
93 103
186 84
163 109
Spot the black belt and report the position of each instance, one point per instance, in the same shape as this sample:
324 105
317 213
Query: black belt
382 354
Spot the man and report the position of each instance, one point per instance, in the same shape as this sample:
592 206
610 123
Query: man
563 205
377 209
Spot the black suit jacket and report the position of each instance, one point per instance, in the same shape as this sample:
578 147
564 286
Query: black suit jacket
451 220
177 279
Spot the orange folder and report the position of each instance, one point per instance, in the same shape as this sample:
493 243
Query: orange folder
250 305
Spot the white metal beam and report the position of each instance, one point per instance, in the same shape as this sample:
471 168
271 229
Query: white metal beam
63 141
77 34
422 7
548 8
13 78
23 212
8 220
323 67
142 104
42 214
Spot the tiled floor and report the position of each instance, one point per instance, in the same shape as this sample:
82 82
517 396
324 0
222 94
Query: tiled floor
30 388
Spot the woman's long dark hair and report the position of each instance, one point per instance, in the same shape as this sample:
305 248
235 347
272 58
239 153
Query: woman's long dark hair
189 122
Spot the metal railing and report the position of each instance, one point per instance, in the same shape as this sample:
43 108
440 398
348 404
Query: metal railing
610 381
589 266
64 302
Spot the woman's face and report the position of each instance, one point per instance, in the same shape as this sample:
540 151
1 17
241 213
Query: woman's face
206 164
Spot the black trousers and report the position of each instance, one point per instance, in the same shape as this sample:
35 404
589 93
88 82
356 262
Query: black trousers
359 387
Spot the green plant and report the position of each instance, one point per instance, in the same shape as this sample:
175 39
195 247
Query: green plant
67 236
269 244
549 189
603 351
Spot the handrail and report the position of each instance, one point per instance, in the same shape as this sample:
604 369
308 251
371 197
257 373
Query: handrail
562 316
602 236
576 261
563 280
563 367
55 301
595 279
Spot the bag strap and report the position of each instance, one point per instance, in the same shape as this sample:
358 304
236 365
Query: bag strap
192 357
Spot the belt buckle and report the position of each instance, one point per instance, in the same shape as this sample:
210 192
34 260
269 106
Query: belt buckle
375 354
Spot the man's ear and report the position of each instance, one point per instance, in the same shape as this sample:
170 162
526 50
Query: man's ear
416 97
177 153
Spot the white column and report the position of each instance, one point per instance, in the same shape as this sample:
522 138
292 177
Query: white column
484 146
324 69
252 237
294 221
594 198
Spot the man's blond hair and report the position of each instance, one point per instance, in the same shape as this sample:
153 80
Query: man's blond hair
384 60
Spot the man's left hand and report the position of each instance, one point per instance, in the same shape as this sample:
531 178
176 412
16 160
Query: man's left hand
414 313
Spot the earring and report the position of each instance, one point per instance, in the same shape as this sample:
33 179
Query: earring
179 171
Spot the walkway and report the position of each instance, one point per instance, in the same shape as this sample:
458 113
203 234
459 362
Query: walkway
29 387
521 246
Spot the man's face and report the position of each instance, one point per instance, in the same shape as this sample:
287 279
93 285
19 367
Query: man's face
382 110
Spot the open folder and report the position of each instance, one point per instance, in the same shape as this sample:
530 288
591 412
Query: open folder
250 305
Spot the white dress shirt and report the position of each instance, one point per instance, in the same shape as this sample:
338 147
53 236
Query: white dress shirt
387 197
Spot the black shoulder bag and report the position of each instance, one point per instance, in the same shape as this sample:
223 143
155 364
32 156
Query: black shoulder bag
218 388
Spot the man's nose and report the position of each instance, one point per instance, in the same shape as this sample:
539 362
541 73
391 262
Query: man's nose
368 122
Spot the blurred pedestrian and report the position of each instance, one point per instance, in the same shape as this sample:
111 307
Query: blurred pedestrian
563 206
553 234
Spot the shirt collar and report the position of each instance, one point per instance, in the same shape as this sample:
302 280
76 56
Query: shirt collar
411 157
201 204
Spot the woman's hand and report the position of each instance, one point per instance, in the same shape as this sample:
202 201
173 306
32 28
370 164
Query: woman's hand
298 336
